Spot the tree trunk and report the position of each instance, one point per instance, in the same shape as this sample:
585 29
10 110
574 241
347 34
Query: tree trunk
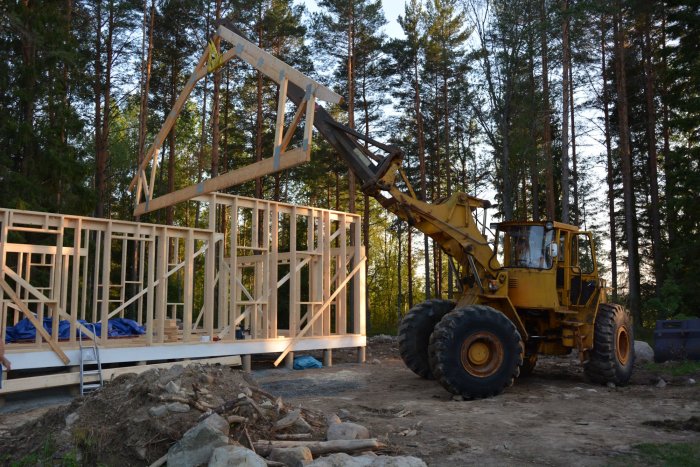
608 149
626 164
448 168
351 98
170 210
409 264
653 158
574 161
534 166
421 167
565 115
28 98
215 131
546 124
399 294
507 188
259 118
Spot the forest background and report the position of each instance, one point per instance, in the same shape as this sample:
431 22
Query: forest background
586 112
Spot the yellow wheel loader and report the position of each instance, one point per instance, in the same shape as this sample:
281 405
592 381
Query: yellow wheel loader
535 291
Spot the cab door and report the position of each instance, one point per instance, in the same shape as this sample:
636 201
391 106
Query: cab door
583 271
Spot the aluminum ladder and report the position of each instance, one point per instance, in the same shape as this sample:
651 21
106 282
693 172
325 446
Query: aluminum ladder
89 355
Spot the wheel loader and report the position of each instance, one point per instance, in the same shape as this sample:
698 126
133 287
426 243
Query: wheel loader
535 290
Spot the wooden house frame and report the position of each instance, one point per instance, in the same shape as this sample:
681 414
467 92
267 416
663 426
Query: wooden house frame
263 285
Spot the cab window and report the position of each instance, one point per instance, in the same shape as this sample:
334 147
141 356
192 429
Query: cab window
585 254
528 247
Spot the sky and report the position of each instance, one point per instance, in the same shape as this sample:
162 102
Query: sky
392 9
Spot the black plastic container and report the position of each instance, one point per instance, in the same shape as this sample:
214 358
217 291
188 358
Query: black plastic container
677 340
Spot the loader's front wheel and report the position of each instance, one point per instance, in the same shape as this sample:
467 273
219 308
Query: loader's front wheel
475 351
414 334
612 357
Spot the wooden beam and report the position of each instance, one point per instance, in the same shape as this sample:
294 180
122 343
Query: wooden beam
30 316
288 160
273 67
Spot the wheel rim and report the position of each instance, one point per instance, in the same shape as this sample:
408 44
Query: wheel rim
622 347
482 354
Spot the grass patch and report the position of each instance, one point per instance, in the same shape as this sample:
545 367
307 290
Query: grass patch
44 456
681 368
671 454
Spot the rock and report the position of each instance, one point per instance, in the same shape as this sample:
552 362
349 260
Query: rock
376 361
346 430
234 456
199 442
691 381
71 419
398 461
333 418
344 415
341 460
661 383
206 378
218 422
172 387
293 457
344 460
611 385
158 411
288 420
141 452
178 407
170 374
301 426
458 398
643 352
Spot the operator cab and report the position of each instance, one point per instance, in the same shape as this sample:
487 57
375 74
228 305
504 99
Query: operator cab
550 265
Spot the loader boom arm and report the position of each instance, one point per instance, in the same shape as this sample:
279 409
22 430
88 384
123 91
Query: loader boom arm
450 222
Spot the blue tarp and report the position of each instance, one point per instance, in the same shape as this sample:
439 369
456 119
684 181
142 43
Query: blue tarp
303 362
118 327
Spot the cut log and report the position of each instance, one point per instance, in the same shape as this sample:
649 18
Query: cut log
319 448
293 436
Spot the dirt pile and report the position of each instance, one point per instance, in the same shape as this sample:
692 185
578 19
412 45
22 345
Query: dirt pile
134 419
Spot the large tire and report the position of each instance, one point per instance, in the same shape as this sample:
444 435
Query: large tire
476 351
414 334
612 357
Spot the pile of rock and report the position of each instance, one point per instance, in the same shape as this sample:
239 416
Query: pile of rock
211 442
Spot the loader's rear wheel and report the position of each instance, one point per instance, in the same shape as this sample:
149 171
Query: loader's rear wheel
414 334
612 357
475 351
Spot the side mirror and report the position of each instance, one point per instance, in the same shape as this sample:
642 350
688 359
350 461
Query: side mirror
553 251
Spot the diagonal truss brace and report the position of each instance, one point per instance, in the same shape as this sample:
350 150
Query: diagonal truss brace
282 158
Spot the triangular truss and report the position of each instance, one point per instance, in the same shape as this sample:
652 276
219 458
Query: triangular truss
282 158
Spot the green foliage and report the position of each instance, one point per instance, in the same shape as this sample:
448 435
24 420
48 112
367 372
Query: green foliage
681 368
669 454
